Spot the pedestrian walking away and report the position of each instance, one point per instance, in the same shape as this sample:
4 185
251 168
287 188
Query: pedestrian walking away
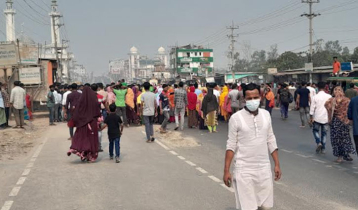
353 115
164 108
85 141
120 90
115 130
319 117
251 140
71 104
284 98
210 107
270 99
180 103
303 100
193 115
233 98
51 101
337 109
149 105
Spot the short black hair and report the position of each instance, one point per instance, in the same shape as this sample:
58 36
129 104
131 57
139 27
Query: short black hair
74 86
249 87
303 83
175 86
112 107
351 85
196 85
88 84
234 86
100 85
321 85
51 86
335 57
22 85
94 87
164 86
284 85
146 85
17 83
181 84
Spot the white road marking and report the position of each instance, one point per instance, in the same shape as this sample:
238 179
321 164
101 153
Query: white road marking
174 153
320 161
30 165
14 191
21 181
228 188
7 205
162 145
329 166
214 179
288 151
304 156
201 170
340 168
281 183
190 163
26 172
38 151
181 157
33 159
355 167
356 172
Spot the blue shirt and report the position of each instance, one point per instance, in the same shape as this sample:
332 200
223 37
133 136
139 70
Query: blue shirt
353 114
198 92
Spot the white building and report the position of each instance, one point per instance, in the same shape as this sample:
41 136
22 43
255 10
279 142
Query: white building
10 21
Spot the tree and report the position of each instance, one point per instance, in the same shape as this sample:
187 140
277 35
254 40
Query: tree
289 60
273 53
346 56
333 47
319 45
354 57
258 61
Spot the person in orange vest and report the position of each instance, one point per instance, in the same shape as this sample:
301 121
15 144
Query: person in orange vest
336 66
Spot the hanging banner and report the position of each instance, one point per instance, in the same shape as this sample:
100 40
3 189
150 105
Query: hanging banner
30 76
8 54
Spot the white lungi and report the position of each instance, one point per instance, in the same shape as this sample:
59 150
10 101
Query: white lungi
251 138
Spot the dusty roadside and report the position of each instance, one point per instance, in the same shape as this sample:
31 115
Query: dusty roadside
17 143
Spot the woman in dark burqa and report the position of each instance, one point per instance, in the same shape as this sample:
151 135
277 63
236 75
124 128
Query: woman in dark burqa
209 108
85 141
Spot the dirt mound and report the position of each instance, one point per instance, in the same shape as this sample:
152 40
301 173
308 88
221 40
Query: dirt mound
177 139
15 143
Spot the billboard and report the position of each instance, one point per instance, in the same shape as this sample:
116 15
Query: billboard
8 54
30 76
116 66
29 54
308 67
272 71
347 66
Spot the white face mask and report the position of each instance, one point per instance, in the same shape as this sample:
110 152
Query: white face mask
253 105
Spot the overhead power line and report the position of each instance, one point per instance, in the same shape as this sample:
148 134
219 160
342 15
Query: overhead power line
38 6
37 12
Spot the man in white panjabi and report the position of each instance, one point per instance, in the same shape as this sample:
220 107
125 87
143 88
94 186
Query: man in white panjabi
251 138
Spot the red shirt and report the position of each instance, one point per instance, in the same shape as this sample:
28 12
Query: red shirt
336 67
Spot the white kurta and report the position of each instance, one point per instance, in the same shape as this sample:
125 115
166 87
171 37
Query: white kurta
252 138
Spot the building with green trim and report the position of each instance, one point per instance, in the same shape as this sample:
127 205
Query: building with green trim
191 60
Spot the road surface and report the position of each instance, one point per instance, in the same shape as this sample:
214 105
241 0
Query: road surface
164 176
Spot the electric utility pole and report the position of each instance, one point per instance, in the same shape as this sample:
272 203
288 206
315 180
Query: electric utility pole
232 38
310 16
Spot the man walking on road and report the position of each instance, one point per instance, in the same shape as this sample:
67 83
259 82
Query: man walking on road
164 108
251 138
17 99
71 104
353 115
180 103
6 98
303 101
149 104
233 97
51 100
319 117
351 92
121 92
284 98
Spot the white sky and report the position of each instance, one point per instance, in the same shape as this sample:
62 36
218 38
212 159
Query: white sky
107 29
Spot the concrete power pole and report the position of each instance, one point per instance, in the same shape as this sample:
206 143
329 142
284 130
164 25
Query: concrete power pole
55 15
232 48
310 16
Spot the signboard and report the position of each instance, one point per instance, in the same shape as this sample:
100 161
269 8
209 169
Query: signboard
186 60
8 55
309 67
272 71
116 66
30 76
186 70
204 59
29 54
347 66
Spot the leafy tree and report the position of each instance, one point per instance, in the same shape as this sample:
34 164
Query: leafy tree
354 57
258 61
289 60
333 47
346 56
273 53
322 58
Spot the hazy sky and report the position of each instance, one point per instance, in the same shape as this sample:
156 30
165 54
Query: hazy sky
101 30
